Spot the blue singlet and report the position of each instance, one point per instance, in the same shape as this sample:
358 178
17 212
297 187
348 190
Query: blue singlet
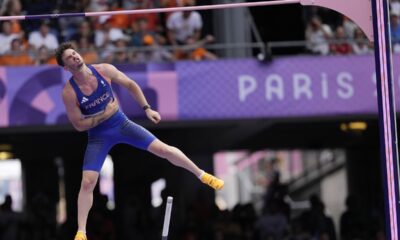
116 129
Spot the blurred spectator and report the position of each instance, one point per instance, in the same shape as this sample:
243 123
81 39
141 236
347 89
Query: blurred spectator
9 221
342 45
349 27
299 230
152 18
41 223
120 52
87 51
119 20
330 17
395 31
106 34
6 36
168 4
153 52
85 31
353 223
227 229
98 5
7 204
129 4
101 226
360 44
33 7
79 6
184 25
271 181
142 30
105 37
194 50
133 219
71 6
138 4
395 7
142 36
272 224
17 55
132 32
248 219
13 8
171 3
317 36
316 222
43 37
69 27
44 57
200 53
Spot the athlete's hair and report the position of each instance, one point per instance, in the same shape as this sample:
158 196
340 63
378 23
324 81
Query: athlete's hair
60 51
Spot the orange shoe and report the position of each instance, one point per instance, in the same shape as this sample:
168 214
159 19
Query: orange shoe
212 181
80 236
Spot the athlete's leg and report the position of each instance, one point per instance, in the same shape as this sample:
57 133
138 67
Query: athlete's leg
95 155
85 197
174 155
178 158
140 137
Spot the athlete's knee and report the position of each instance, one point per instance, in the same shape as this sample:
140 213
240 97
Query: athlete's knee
88 183
166 151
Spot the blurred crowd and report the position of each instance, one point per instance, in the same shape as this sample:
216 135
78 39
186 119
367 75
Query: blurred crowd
199 221
119 38
330 33
282 215
152 37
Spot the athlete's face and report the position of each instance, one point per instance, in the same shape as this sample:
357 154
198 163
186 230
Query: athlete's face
72 60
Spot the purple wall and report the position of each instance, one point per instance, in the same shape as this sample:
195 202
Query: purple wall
246 88
295 86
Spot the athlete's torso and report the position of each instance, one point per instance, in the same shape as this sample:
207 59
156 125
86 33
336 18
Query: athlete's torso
96 102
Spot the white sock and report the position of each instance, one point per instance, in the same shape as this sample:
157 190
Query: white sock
82 231
201 174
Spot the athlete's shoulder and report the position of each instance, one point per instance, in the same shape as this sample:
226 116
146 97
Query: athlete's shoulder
68 91
103 67
67 87
106 70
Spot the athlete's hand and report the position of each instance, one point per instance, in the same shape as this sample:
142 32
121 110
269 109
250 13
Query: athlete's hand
154 116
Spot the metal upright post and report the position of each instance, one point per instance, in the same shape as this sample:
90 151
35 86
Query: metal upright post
387 114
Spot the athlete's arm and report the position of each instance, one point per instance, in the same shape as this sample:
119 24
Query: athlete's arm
120 78
75 116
